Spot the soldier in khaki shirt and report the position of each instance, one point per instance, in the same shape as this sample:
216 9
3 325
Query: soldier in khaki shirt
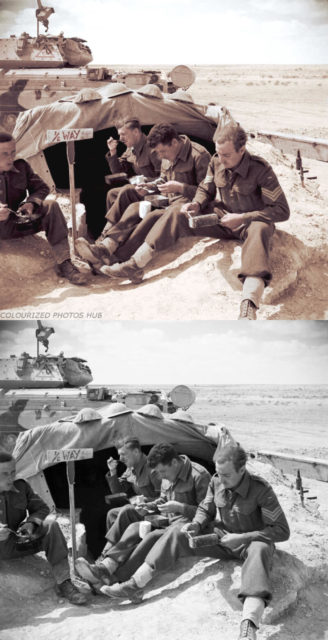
244 192
184 166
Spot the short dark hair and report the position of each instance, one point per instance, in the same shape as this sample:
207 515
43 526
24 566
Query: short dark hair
5 456
162 134
130 442
231 453
232 132
5 137
162 453
130 122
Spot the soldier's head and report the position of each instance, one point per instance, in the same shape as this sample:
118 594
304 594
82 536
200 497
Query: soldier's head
230 144
129 451
230 465
7 471
165 140
165 460
7 151
129 131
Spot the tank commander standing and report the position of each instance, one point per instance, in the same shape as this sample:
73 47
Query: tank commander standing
243 511
244 192
183 167
17 179
22 516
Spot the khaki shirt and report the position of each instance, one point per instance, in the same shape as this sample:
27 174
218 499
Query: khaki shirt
252 189
138 160
189 167
251 507
189 488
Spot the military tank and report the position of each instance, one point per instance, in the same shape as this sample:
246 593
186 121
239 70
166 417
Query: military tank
37 70
37 390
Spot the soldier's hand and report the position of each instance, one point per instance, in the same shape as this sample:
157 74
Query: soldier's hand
233 540
232 220
26 529
112 466
27 207
112 146
4 532
190 207
4 212
172 506
140 190
172 186
191 528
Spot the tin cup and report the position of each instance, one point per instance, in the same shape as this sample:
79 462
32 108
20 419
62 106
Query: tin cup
144 208
144 528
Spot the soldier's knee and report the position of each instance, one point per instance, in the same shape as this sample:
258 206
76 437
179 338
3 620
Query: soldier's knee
260 548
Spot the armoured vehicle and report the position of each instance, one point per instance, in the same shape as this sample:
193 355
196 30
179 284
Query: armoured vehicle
37 70
38 390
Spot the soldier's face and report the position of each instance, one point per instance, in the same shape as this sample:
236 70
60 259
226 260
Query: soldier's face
128 456
228 155
7 155
128 136
228 475
168 151
7 475
168 471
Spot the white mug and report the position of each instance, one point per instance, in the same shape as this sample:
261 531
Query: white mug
144 528
144 208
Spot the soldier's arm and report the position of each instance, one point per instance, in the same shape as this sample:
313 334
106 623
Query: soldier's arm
206 190
118 164
201 482
36 187
36 507
276 207
201 165
206 510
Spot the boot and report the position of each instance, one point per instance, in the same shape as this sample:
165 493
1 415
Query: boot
247 310
132 269
94 574
128 590
247 630
95 254
68 270
69 591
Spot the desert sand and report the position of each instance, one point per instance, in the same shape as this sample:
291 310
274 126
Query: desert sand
199 280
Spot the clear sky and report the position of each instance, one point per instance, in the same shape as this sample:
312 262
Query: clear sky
284 352
185 31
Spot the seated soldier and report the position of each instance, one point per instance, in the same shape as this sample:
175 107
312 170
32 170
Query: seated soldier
138 480
184 165
22 516
138 159
244 193
249 520
183 487
17 179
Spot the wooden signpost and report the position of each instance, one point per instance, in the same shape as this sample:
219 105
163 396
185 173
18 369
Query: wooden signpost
70 456
70 136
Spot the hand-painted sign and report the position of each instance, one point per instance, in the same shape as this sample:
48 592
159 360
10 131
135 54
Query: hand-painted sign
68 455
68 135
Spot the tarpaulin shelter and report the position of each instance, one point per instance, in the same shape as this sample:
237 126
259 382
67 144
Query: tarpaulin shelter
32 445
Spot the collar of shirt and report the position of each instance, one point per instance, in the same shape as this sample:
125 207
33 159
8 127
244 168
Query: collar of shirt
242 487
137 148
184 471
184 150
138 468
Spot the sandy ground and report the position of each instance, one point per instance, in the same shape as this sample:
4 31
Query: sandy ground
288 99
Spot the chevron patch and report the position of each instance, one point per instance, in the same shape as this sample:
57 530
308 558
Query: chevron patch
272 194
272 515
